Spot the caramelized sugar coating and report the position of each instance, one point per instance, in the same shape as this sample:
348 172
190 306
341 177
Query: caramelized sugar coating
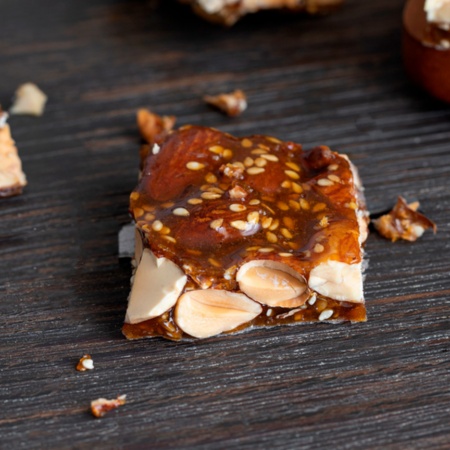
211 202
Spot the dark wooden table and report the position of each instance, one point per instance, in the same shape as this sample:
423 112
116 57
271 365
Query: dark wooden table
336 80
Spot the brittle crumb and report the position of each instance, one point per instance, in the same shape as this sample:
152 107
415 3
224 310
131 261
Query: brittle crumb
101 406
403 222
85 363
232 104
29 100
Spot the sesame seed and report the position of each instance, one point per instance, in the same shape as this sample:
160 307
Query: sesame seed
269 312
215 189
352 205
239 224
252 249
319 248
326 314
148 208
237 207
248 162
270 157
286 233
268 208
165 230
271 237
246 143
258 151
289 222
283 206
304 204
255 170
195 201
167 204
253 202
266 222
217 149
215 224
194 165
333 167
265 250
324 182
214 262
134 195
274 140
170 239
253 217
227 154
285 254
286 184
294 205
292 174
157 225
312 299
296 188
181 212
260 162
210 195
293 166
274 225
335 178
210 178
149 217
319 207
156 148
238 165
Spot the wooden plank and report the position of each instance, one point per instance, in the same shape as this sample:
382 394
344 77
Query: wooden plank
336 80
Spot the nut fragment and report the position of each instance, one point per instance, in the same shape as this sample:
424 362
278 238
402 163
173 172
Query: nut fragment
272 283
338 280
101 406
29 99
158 282
232 104
208 312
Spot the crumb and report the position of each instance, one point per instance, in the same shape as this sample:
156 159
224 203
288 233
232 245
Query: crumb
101 406
85 363
232 104
29 99
403 222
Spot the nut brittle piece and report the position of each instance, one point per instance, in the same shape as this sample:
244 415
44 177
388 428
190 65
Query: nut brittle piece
101 406
403 222
228 12
239 232
12 179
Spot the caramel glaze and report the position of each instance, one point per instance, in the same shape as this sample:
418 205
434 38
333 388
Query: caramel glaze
426 51
308 198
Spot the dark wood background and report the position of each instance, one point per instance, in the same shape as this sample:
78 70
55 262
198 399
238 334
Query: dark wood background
336 80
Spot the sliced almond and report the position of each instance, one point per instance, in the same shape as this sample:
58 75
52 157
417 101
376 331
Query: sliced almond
338 280
272 283
205 313
158 283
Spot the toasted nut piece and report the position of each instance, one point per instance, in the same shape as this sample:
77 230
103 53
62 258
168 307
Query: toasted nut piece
338 280
85 363
272 283
158 282
207 312
29 100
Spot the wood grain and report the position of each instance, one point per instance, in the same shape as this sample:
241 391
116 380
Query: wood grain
336 80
